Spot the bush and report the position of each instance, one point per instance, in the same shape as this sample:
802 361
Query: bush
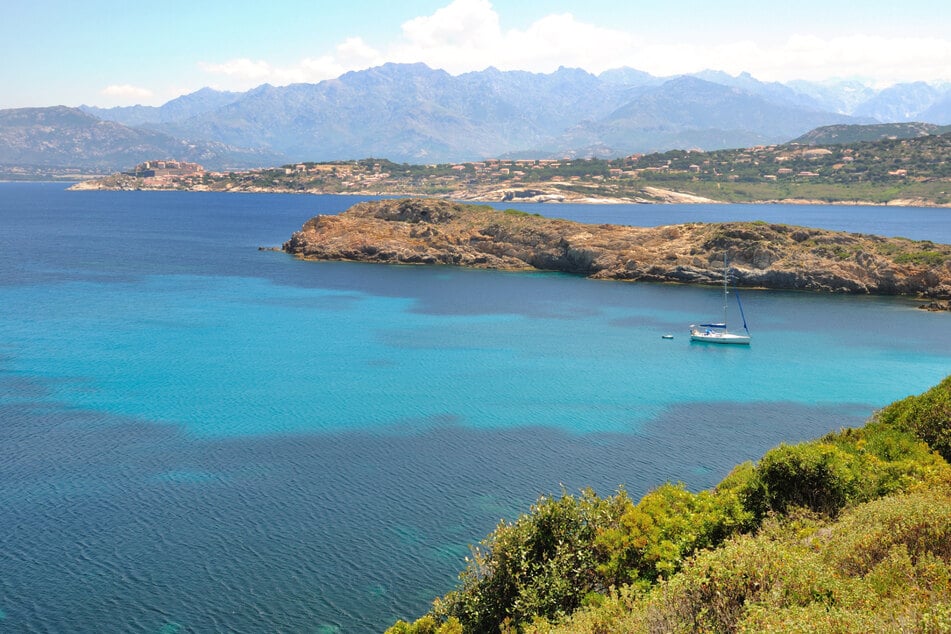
824 558
882 566
715 590
426 625
841 469
543 564
924 258
817 476
927 416
669 523
916 523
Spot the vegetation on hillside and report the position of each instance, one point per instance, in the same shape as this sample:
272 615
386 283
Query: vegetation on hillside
432 231
845 133
917 169
847 533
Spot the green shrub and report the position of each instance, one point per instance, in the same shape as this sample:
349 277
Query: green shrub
543 564
883 566
426 625
924 258
816 619
817 476
829 552
843 468
919 523
889 459
519 213
669 523
927 416
716 588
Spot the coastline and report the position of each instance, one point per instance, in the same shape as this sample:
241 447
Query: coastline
761 255
658 196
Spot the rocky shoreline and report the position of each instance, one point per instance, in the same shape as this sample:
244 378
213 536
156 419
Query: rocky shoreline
433 231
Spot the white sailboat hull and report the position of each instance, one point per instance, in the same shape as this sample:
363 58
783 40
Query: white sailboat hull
719 337
717 332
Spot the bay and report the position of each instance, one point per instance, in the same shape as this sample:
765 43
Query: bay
200 436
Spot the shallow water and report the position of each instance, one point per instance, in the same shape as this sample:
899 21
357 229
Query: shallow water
201 436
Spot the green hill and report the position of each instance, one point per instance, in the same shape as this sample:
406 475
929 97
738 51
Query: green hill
844 134
899 171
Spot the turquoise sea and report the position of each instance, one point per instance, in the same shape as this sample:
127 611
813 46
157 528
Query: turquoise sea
200 436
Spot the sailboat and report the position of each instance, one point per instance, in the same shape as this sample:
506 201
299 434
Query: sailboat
718 333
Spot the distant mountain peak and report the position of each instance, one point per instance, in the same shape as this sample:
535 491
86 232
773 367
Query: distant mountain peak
410 112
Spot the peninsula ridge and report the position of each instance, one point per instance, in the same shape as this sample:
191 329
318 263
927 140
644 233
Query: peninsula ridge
764 255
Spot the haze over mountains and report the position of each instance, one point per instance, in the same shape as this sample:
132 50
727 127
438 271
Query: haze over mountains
412 113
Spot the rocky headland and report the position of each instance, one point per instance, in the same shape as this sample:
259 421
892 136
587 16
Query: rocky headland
777 256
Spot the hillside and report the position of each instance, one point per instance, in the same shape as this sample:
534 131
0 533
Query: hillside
178 109
847 533
418 231
408 112
60 139
902 102
414 114
849 134
914 171
693 113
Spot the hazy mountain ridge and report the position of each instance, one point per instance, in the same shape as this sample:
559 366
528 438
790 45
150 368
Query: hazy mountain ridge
412 113
409 113
688 112
902 102
771 91
178 109
68 138
940 111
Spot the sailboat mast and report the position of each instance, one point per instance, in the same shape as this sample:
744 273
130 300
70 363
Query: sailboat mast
724 289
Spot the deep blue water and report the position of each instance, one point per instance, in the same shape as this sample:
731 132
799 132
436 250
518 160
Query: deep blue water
198 436
917 223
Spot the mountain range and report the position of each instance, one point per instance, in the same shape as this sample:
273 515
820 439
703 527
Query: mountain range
60 139
412 113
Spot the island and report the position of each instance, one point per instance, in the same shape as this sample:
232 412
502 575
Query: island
759 254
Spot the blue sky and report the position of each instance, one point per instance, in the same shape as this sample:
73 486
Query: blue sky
107 53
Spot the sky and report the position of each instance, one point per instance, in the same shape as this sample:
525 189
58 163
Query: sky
110 53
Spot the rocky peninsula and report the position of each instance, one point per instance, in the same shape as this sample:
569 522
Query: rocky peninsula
776 256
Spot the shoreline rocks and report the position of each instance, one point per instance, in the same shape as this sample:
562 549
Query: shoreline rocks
436 231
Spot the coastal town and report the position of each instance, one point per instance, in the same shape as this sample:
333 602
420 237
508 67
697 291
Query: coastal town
896 171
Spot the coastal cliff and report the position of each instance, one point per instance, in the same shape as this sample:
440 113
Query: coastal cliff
431 231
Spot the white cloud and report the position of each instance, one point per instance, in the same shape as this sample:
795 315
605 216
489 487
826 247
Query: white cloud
354 53
463 24
241 74
465 35
125 92
886 59
239 69
561 40
468 35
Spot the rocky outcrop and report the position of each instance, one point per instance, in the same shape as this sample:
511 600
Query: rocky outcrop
430 231
936 306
